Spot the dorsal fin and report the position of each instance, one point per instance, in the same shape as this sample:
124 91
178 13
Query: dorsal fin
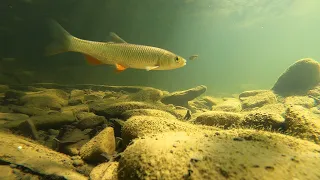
116 38
91 60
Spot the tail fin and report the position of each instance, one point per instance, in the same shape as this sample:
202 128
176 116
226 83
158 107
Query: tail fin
61 39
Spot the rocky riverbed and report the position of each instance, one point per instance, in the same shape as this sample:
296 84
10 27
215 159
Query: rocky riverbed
52 131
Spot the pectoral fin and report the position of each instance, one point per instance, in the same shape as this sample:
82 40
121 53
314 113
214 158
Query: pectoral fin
120 68
93 61
116 38
148 68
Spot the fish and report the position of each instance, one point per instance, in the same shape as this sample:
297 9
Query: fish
121 54
193 57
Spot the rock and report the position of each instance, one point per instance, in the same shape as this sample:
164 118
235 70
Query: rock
219 118
198 105
36 158
76 109
103 143
304 101
277 108
4 88
13 97
49 98
7 173
114 110
229 105
76 97
53 120
147 95
13 116
139 126
69 135
181 98
302 123
257 98
146 112
84 115
94 96
315 93
299 78
211 101
91 122
105 171
263 120
30 111
220 155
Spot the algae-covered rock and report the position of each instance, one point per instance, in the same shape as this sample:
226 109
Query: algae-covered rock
139 126
13 116
236 154
146 112
115 110
36 158
277 108
4 88
30 111
91 122
147 95
299 78
263 120
301 122
304 101
211 101
76 97
219 118
101 144
105 171
229 105
181 98
49 98
76 109
257 98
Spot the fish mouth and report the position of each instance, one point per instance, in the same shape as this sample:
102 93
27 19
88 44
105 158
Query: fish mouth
184 62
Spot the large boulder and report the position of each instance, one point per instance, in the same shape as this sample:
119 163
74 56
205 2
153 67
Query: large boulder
299 78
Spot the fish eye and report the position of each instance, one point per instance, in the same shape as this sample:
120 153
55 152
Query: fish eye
176 59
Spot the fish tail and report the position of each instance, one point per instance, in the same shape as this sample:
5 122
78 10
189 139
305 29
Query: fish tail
61 39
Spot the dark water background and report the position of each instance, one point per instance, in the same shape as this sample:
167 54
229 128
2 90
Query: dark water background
241 44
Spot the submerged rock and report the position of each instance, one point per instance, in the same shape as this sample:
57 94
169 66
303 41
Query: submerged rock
147 95
91 122
31 111
263 120
219 118
257 98
105 171
13 116
219 155
76 97
139 126
146 112
302 123
299 78
100 145
304 101
4 88
181 98
49 98
229 105
36 158
114 110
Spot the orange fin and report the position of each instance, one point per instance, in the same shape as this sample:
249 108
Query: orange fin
93 61
120 68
